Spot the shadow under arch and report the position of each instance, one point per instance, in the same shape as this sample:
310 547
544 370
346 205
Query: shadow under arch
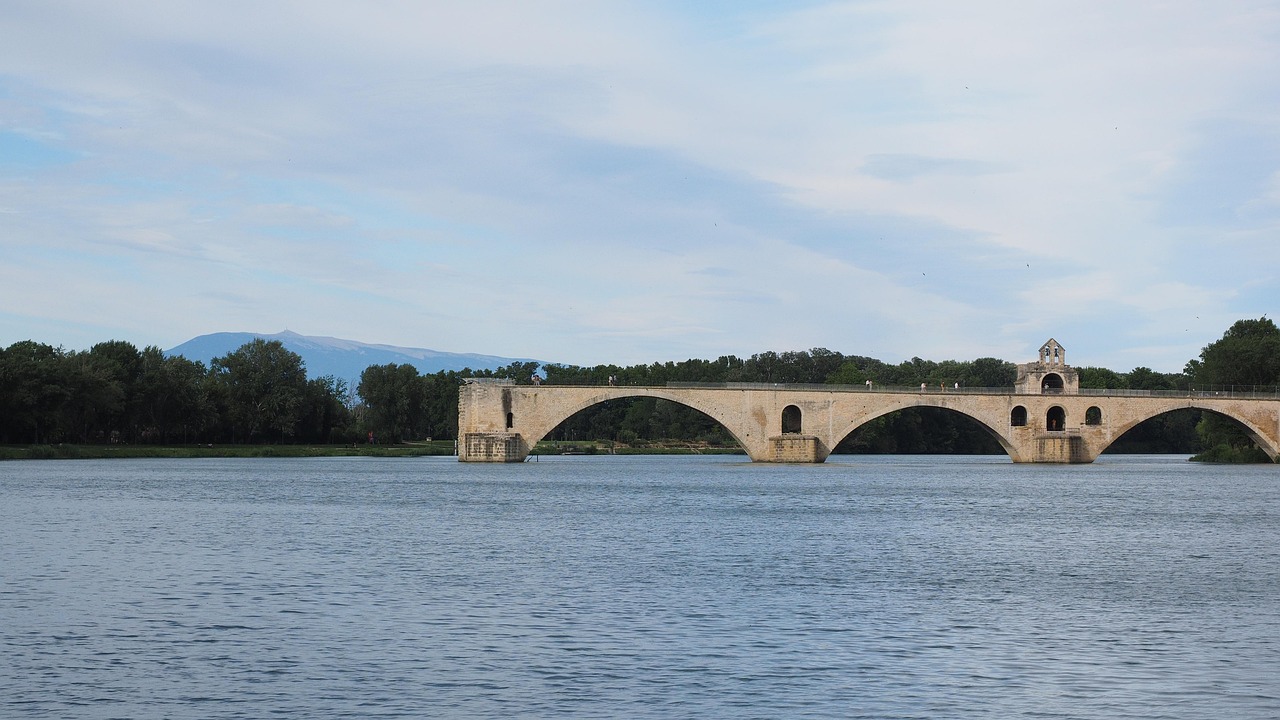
622 403
1169 432
1255 434
995 441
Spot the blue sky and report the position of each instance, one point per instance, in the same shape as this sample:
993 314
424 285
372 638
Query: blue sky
637 182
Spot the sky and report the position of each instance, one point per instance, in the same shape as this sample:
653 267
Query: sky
615 182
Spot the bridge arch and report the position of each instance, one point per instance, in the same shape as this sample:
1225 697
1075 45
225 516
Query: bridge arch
533 433
988 424
1253 430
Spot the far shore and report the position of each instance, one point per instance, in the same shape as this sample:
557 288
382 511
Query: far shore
435 448
429 448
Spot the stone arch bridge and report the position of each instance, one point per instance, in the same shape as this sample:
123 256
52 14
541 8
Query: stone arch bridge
1047 418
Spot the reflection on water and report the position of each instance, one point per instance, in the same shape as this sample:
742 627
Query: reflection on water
639 587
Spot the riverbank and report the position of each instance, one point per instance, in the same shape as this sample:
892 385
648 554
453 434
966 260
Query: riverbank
427 449
89 452
65 451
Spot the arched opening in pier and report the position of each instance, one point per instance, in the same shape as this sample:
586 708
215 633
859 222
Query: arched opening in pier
1051 384
1093 416
1055 419
1018 416
791 419
921 431
638 424
511 420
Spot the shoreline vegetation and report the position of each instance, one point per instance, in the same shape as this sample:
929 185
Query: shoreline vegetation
446 448
114 400
428 448
69 451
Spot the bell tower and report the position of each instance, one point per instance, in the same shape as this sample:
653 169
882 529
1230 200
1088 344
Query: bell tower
1049 375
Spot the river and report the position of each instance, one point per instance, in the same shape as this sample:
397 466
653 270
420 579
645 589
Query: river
639 587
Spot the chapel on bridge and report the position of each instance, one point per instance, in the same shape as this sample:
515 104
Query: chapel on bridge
1049 375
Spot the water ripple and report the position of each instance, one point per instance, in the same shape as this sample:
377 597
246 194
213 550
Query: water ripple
638 587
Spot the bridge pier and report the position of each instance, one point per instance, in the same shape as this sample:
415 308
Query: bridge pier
502 447
795 448
1061 447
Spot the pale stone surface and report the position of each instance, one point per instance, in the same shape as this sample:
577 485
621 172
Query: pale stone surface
793 448
754 416
494 447
501 422
1049 374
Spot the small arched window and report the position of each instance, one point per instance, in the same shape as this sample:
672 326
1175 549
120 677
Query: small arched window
1018 418
1055 419
511 420
1093 416
791 419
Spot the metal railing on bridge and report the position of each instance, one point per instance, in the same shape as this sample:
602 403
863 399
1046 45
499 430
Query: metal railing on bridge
823 387
1243 392
1248 392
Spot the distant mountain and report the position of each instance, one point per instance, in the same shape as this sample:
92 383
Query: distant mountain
343 359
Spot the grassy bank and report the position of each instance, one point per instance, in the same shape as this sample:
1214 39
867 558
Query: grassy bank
435 447
86 452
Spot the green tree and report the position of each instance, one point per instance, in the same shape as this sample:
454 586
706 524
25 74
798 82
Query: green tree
1094 378
847 374
33 391
1144 378
325 417
1247 358
264 384
989 373
521 372
394 397
173 397
97 398
120 363
1247 355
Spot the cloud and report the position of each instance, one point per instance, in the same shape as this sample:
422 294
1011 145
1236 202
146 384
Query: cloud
903 168
635 182
1226 179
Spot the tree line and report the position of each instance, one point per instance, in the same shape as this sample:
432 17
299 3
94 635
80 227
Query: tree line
260 393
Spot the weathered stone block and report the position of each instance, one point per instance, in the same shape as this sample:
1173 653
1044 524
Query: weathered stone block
492 447
1061 448
796 448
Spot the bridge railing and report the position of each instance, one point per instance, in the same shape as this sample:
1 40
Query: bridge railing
1252 393
1249 393
1242 392
823 387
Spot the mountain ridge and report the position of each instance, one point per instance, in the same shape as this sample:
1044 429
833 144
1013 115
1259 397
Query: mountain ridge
343 359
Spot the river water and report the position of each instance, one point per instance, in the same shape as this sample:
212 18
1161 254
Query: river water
640 587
